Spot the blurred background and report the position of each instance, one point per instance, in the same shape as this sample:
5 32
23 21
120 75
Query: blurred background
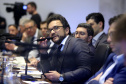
75 11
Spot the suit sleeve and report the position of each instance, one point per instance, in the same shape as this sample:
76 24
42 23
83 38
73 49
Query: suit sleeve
83 57
101 70
46 62
104 67
120 78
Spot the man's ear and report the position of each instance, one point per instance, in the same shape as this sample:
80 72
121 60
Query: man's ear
100 24
67 30
90 38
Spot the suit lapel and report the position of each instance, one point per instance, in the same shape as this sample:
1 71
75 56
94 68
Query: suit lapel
98 41
108 62
64 52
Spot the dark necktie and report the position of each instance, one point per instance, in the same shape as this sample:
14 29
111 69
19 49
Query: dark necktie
32 39
58 57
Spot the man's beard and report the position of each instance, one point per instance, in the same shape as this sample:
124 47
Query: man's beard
60 39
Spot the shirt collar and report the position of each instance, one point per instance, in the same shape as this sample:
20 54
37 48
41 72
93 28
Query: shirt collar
64 40
97 36
118 58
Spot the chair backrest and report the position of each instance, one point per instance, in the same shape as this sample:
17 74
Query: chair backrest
101 54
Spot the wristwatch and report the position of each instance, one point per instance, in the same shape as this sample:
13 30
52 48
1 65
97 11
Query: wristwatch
61 78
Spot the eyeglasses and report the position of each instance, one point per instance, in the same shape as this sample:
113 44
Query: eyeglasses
29 28
55 28
80 33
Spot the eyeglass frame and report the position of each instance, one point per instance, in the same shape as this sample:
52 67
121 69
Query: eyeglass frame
55 28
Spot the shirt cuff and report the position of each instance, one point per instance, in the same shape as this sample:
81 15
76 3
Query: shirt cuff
15 48
22 41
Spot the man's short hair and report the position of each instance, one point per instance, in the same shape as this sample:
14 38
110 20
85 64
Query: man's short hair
33 4
120 29
97 18
22 21
28 21
13 26
43 22
61 18
115 18
88 27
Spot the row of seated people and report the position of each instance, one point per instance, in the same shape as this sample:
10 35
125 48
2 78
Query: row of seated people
73 60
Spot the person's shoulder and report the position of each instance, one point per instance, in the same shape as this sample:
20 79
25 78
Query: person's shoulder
112 54
36 15
104 36
73 39
78 43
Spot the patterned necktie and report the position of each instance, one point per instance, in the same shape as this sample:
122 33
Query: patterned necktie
59 48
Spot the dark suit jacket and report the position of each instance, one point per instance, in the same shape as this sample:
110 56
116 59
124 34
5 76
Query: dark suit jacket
92 48
75 64
102 39
117 72
53 48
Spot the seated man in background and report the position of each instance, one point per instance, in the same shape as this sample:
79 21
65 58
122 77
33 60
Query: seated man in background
96 20
112 65
31 34
43 28
13 29
84 31
70 63
21 26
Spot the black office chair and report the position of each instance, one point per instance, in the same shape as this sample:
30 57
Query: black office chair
101 54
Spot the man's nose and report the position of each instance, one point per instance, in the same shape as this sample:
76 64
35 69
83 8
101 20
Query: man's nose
77 35
109 39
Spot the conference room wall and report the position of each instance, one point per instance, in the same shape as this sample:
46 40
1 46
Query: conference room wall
75 11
